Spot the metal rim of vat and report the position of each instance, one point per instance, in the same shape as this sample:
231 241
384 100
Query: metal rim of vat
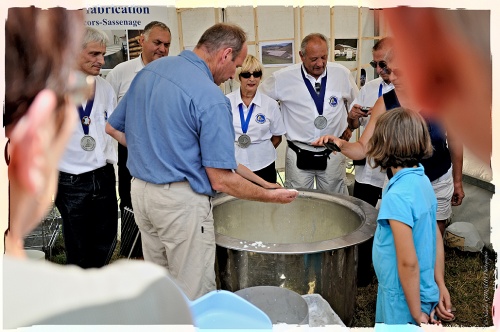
363 233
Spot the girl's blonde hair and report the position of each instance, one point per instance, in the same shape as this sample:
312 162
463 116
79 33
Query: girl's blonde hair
400 138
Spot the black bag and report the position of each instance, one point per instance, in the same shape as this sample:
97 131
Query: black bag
310 160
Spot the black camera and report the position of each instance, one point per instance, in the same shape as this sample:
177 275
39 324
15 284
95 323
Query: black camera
332 146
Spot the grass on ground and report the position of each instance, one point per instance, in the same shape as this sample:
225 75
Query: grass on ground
470 278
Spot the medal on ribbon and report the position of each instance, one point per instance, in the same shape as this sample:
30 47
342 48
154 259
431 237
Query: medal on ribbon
320 122
87 142
244 140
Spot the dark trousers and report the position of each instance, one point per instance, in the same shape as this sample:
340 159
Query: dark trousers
89 210
124 178
366 192
369 194
128 228
268 173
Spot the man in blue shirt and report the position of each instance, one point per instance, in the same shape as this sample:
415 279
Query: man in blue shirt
181 150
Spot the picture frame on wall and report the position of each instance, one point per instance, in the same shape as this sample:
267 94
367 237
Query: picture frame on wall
277 53
346 49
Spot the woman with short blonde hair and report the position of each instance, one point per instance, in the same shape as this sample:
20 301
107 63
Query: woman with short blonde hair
257 122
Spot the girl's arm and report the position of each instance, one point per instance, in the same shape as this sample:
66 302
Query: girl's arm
356 150
408 270
443 309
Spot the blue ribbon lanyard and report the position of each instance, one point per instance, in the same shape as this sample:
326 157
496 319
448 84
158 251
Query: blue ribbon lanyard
86 113
380 90
318 99
245 122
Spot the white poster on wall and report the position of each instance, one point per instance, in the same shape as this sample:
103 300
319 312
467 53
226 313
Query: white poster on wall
123 25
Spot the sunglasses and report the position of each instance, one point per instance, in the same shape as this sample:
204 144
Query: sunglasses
247 74
382 64
388 71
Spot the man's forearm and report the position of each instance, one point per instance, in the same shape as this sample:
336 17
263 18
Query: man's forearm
353 123
116 134
235 185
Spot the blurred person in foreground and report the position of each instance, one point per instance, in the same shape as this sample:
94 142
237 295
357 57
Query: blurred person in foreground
40 116
456 86
177 125
257 122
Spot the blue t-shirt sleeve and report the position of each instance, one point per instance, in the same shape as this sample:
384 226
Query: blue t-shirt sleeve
217 137
394 206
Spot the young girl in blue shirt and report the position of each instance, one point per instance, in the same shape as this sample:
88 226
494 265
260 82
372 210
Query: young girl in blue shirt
404 247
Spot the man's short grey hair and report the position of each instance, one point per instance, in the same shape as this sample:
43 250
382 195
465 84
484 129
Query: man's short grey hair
94 36
223 35
311 36
154 24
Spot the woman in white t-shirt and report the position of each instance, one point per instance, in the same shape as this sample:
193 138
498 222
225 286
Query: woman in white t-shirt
257 122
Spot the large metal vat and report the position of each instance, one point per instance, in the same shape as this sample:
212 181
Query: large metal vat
308 246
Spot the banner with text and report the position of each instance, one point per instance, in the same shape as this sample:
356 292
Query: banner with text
123 25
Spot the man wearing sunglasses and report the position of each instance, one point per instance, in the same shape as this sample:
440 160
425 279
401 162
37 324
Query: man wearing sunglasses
313 96
369 181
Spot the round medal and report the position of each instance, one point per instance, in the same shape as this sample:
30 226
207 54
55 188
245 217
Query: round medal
320 122
244 141
87 143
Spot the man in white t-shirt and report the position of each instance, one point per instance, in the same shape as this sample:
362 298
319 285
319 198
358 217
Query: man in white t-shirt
369 181
86 195
313 97
155 43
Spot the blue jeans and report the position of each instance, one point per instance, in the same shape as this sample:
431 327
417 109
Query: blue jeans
89 209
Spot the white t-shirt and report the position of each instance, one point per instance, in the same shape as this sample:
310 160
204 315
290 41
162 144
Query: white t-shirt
298 107
368 95
266 121
122 75
75 159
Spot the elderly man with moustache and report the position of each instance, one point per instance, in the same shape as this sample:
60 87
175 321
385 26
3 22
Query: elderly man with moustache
313 95
155 42
86 196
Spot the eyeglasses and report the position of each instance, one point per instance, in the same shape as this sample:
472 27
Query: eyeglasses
382 64
255 74
386 70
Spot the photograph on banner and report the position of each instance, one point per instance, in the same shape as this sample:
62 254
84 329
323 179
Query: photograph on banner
124 26
346 49
277 53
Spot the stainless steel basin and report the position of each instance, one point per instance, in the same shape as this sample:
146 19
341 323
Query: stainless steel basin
308 246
